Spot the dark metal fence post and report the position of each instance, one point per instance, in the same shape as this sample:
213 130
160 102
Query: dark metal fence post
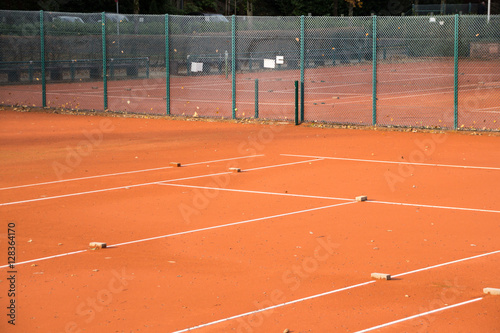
233 64
104 64
42 60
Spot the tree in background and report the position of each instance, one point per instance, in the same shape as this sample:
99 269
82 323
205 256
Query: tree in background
352 4
229 7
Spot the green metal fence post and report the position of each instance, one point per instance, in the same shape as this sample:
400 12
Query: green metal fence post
167 65
233 63
256 98
374 71
104 64
302 55
455 74
42 60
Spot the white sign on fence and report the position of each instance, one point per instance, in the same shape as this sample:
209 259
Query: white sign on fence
269 63
196 67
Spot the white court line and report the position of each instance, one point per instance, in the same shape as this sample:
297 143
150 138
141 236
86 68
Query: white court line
233 224
284 164
274 307
192 231
402 94
222 102
488 108
447 263
124 173
45 258
335 198
108 189
144 184
435 206
256 192
419 315
393 162
327 293
483 111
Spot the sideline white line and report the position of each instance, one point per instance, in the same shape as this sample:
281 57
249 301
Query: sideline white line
274 307
419 315
324 294
193 231
393 162
124 173
234 223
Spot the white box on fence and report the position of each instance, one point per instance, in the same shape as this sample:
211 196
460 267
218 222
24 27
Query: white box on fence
269 63
196 67
280 60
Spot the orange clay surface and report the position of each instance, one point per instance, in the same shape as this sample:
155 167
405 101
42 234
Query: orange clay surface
198 245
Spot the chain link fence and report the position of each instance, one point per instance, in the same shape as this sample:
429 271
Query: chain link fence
419 71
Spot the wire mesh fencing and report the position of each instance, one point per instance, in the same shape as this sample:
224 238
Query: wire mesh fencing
419 71
338 67
478 73
20 52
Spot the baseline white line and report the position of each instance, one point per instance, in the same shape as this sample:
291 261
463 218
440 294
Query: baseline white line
193 231
257 192
393 162
123 173
324 294
275 306
419 315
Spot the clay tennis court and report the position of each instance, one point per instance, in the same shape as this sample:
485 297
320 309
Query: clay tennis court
414 94
281 245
